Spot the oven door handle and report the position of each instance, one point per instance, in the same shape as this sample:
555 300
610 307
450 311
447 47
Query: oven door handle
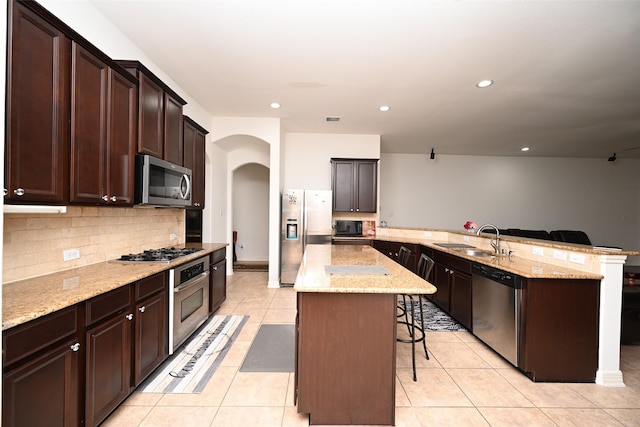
186 285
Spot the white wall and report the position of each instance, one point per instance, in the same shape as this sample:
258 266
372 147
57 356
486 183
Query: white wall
307 157
252 140
251 212
599 197
215 211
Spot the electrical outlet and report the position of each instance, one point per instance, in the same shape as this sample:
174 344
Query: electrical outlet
537 250
465 238
70 254
427 234
173 236
381 232
576 258
562 255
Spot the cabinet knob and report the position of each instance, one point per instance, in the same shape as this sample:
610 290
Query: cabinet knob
75 347
19 191
196 204
6 191
351 210
129 316
114 199
105 198
450 271
215 268
357 210
142 309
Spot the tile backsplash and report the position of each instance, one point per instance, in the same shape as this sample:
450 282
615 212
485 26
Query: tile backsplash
34 243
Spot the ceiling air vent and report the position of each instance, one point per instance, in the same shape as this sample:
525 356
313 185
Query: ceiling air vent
332 119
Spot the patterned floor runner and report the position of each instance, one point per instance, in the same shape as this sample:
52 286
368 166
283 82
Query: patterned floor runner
435 319
190 368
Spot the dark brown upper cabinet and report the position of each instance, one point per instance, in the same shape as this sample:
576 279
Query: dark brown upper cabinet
354 183
37 145
159 115
103 131
194 159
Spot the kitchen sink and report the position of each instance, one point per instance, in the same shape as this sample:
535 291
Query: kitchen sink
472 252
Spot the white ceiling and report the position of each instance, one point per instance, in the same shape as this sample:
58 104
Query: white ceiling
567 73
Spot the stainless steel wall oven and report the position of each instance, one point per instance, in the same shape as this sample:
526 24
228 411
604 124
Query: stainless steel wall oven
188 300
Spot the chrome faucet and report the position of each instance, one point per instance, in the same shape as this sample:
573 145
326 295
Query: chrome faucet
494 244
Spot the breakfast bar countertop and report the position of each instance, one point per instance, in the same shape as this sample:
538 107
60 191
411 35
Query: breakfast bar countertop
355 269
29 299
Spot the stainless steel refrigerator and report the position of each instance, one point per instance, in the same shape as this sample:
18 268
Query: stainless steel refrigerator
306 219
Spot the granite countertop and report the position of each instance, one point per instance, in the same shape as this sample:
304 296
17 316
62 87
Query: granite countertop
365 270
514 264
29 299
592 249
517 265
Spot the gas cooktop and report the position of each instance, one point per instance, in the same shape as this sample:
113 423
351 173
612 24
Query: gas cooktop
158 255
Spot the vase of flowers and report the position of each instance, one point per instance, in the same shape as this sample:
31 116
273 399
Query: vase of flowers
470 226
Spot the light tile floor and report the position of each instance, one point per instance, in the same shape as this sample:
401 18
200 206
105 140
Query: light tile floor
463 384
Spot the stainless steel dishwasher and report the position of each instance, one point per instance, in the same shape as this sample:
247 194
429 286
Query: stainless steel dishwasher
496 309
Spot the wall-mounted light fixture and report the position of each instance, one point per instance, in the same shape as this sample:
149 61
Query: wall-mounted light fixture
432 156
612 158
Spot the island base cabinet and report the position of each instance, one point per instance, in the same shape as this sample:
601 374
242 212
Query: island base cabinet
345 358
45 391
559 331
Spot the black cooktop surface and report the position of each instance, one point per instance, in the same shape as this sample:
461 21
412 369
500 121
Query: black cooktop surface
159 255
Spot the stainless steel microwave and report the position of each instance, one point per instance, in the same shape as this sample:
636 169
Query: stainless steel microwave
161 183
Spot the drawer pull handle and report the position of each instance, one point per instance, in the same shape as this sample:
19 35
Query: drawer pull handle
19 191
75 347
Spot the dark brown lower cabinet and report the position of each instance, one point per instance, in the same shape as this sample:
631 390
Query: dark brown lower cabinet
559 329
441 280
43 391
41 363
95 352
108 367
150 336
126 339
217 279
346 358
460 298
452 276
218 285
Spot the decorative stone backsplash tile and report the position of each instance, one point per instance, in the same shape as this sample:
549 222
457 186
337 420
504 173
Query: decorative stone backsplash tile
34 243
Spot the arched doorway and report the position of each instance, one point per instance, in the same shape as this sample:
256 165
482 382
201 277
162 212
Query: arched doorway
250 217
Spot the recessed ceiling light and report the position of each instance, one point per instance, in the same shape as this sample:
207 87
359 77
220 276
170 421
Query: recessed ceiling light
484 83
384 108
275 105
524 149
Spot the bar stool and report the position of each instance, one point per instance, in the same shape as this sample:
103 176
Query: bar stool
425 264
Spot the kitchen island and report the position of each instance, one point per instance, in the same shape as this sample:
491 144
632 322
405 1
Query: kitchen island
346 333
